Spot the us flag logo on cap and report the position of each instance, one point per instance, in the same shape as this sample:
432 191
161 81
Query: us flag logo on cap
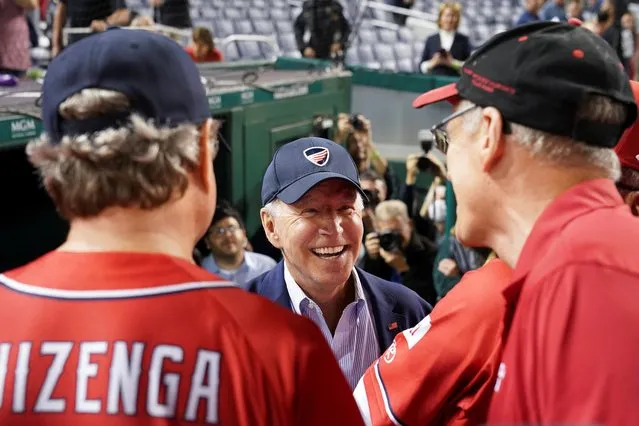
317 155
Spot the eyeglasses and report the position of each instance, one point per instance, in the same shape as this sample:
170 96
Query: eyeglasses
218 232
440 134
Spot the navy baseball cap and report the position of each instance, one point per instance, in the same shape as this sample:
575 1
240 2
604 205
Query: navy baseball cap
538 74
298 166
156 74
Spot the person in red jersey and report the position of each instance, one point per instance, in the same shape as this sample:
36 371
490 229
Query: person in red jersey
442 371
530 156
118 325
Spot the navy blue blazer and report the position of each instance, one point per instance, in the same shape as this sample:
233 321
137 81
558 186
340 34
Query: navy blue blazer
394 307
459 50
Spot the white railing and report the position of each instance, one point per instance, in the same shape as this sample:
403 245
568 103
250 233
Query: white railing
225 42
163 29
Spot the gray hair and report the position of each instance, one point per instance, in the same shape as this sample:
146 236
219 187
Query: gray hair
561 150
278 207
136 165
391 209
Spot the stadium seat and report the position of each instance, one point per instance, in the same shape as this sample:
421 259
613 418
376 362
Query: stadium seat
223 28
352 57
231 53
405 34
383 53
387 36
280 15
243 27
403 51
263 27
259 4
287 42
208 13
405 65
234 14
257 13
283 27
367 36
249 50
366 55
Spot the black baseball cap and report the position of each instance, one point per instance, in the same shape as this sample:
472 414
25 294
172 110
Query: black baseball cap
298 166
538 74
154 72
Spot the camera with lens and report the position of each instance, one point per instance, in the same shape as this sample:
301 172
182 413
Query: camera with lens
390 240
357 122
372 199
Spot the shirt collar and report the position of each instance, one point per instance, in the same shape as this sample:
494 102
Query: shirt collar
215 268
297 295
579 200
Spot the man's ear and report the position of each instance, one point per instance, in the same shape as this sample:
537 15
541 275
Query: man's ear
492 146
268 223
205 166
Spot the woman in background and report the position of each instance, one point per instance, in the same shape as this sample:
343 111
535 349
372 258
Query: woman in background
445 51
14 36
203 48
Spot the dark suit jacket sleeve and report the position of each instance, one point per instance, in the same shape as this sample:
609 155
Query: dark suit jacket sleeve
430 48
299 26
466 48
345 28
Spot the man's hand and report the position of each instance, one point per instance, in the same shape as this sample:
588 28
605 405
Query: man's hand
156 3
98 25
309 52
371 244
411 168
336 47
55 50
394 259
448 267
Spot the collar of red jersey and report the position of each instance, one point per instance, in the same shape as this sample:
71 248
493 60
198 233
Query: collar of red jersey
579 200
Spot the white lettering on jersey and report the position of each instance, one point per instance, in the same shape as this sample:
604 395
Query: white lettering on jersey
501 375
415 334
4 366
124 378
170 380
60 351
21 373
205 384
86 370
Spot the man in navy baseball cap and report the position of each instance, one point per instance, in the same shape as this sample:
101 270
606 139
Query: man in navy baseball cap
312 212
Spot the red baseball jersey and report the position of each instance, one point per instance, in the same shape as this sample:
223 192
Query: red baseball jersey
572 351
148 339
442 371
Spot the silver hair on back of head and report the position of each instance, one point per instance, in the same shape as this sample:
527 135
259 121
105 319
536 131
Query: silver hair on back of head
562 150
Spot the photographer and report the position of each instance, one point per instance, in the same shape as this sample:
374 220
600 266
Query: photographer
425 162
376 191
397 253
354 132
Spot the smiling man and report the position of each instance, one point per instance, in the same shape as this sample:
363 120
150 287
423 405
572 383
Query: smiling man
313 213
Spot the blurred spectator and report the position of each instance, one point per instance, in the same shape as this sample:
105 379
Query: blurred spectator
608 28
445 52
406 4
356 134
172 13
203 47
97 15
553 10
321 29
530 13
437 209
591 9
376 191
397 253
628 42
229 258
452 261
14 36
574 9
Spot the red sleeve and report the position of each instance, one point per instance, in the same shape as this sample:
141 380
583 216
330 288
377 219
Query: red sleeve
443 367
586 346
217 55
189 50
323 396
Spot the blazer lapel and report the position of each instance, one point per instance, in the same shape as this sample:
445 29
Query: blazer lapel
273 286
387 322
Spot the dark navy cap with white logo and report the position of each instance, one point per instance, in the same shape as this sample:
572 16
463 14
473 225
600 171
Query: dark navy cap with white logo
300 165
